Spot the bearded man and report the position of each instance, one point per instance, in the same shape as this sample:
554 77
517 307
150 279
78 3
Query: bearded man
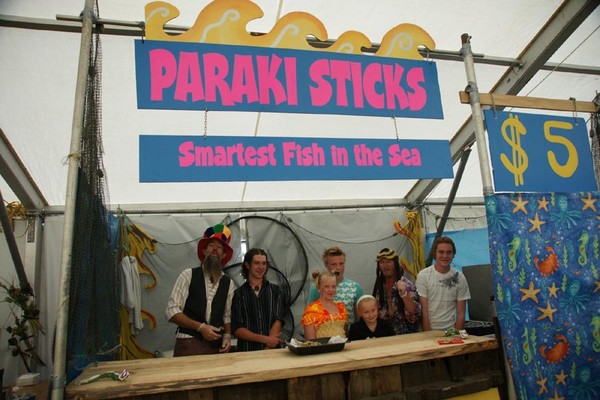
200 302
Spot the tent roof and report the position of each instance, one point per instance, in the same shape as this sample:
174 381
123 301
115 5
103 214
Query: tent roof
38 69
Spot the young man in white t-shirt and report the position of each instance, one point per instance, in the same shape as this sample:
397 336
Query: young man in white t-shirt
443 290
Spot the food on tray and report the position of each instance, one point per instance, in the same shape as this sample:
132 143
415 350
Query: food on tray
308 343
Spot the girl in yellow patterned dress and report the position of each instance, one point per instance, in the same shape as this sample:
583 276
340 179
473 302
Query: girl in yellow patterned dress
325 317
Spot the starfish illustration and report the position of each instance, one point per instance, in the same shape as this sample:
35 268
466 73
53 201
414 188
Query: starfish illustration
552 290
556 397
597 288
530 293
536 223
547 312
561 378
543 203
542 384
589 202
520 204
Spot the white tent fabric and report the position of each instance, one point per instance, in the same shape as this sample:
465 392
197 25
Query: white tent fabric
38 72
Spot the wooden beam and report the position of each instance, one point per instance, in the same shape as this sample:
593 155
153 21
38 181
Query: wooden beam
505 100
18 178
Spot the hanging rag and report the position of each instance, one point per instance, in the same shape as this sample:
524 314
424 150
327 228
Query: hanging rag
131 292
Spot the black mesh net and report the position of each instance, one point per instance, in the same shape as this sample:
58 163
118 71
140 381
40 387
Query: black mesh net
93 328
595 136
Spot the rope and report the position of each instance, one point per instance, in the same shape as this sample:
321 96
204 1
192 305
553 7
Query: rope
16 210
563 60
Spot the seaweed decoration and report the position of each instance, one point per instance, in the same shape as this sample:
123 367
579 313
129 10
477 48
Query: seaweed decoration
26 325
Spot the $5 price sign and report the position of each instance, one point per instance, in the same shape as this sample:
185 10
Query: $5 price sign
539 153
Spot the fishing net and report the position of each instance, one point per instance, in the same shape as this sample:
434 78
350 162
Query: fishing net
595 136
93 320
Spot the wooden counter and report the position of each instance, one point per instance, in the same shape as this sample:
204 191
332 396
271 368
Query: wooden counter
39 390
411 366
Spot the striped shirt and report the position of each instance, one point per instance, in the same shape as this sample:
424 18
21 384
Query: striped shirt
256 313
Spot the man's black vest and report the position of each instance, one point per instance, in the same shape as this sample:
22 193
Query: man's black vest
195 305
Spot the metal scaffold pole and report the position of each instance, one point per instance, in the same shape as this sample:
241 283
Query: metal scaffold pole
482 148
58 381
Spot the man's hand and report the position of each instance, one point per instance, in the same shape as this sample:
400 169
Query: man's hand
226 345
210 333
272 341
401 286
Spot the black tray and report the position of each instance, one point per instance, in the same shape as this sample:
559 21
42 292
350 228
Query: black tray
317 349
479 328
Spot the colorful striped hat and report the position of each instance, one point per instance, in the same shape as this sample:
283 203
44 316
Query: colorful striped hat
218 232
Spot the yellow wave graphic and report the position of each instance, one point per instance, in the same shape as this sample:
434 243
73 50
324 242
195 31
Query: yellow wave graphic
130 349
225 21
403 41
138 242
413 231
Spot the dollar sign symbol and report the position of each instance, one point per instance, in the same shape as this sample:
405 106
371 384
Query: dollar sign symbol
518 164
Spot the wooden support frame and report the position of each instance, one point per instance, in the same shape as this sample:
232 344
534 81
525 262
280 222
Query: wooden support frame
505 100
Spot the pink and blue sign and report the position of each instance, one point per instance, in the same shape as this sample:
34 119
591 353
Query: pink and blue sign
243 158
201 76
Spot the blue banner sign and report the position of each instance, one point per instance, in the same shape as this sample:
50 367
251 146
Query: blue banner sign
247 158
202 76
539 153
